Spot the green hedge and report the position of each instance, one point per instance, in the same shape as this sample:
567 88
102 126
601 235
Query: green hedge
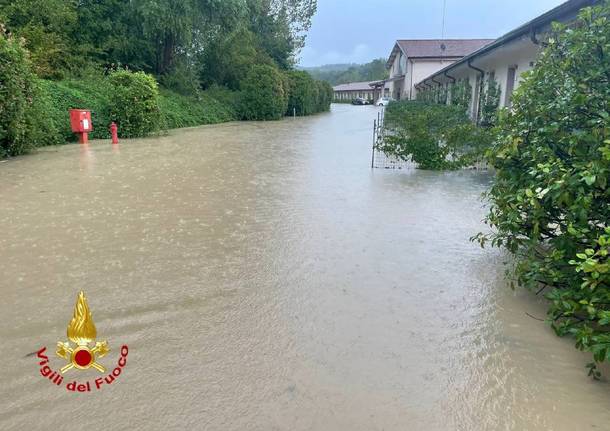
35 112
48 120
210 107
306 95
301 98
134 104
23 120
550 200
325 96
92 93
264 94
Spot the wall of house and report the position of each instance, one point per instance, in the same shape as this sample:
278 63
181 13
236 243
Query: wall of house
422 68
395 87
351 95
415 70
519 54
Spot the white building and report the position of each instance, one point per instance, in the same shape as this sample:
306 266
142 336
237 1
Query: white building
504 60
413 60
367 90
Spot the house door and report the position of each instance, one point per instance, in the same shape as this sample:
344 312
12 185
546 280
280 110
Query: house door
510 86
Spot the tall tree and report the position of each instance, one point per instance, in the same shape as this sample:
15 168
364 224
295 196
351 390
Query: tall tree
182 28
281 26
47 27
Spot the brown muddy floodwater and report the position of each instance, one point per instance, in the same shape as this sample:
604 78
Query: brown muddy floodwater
264 278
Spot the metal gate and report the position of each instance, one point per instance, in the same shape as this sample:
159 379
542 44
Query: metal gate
380 160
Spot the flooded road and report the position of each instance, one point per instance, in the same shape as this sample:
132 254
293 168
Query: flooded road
264 278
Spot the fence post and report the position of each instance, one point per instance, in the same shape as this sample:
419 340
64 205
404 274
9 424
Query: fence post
373 149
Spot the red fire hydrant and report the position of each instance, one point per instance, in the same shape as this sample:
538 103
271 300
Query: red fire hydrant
114 131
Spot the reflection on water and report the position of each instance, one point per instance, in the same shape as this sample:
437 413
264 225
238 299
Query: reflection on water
264 278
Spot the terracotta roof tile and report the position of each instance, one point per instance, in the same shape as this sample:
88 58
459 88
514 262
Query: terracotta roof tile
434 47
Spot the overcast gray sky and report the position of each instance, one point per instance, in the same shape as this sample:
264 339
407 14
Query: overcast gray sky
357 31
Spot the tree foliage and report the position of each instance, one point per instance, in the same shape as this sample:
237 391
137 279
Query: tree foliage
550 202
134 105
264 94
47 27
325 96
229 59
22 113
461 94
307 96
343 74
154 36
489 103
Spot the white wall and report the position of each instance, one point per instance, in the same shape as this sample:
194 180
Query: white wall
416 70
351 95
520 53
422 68
395 86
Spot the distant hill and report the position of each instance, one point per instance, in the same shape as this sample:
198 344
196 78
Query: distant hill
336 74
330 67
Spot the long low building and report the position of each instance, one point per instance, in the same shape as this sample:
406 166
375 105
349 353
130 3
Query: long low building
504 60
369 90
414 59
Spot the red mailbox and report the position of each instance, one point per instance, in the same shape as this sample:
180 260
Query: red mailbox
80 120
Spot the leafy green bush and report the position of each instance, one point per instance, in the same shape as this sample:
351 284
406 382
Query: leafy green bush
263 95
134 104
229 99
23 121
306 95
229 59
550 201
434 136
301 98
461 94
93 93
458 93
490 102
182 79
182 111
325 96
96 93
46 27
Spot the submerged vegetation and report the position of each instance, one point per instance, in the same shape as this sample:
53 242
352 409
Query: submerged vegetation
147 65
550 202
550 199
435 136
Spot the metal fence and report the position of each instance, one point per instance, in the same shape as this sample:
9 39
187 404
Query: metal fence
380 160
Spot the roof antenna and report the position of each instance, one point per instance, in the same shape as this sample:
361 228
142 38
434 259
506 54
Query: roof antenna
444 14
443 47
